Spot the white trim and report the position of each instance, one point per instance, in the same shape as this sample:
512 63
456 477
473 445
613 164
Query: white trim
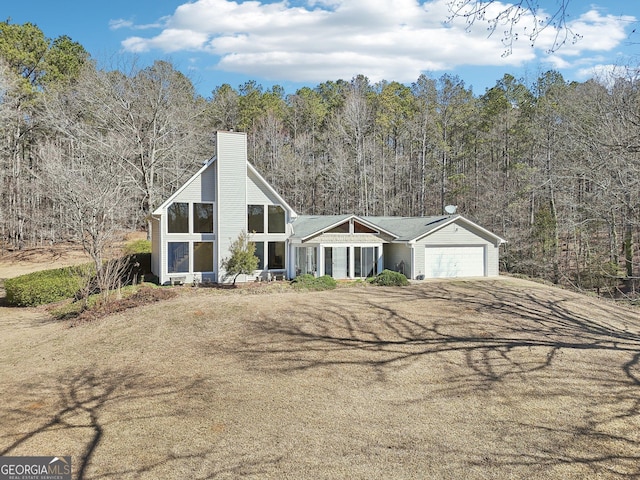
454 219
366 223
351 248
168 201
292 213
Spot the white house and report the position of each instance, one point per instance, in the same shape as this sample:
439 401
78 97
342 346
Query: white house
193 229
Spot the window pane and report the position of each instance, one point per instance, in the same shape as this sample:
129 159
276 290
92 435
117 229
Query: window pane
276 256
359 228
255 221
260 254
340 267
342 228
376 254
276 219
178 218
203 256
203 218
306 260
357 262
178 257
328 261
369 262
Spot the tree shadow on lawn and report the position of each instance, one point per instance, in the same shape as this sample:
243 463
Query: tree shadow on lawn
493 335
83 418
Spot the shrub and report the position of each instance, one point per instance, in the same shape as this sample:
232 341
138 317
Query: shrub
390 278
137 246
242 259
309 282
138 268
47 286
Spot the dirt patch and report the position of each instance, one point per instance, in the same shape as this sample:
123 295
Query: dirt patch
143 296
451 379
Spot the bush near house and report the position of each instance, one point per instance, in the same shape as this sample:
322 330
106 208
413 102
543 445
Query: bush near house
242 259
389 278
309 282
47 286
138 253
137 246
139 269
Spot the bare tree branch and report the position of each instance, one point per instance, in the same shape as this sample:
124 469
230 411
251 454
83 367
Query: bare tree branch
509 16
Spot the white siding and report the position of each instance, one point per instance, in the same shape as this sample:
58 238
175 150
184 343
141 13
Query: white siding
493 260
208 185
453 234
417 261
258 193
156 251
395 254
163 257
231 161
201 189
458 235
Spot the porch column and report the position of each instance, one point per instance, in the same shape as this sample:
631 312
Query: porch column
380 259
351 267
320 261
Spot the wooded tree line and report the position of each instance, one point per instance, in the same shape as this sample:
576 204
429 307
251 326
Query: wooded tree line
553 167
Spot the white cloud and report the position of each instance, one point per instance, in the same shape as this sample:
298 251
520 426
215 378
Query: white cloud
383 39
595 32
170 40
120 23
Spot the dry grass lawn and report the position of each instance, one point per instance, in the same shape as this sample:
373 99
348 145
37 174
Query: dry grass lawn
499 379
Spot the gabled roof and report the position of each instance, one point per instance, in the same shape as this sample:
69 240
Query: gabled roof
403 229
412 229
169 201
251 168
307 226
408 228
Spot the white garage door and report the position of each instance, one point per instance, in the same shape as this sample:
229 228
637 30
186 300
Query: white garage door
446 262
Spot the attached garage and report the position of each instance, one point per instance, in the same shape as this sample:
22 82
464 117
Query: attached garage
457 247
454 261
446 246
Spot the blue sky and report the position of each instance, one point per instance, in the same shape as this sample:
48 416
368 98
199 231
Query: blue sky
305 42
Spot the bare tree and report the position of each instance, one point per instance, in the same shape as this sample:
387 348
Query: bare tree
15 128
353 125
152 117
9 113
92 202
507 18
